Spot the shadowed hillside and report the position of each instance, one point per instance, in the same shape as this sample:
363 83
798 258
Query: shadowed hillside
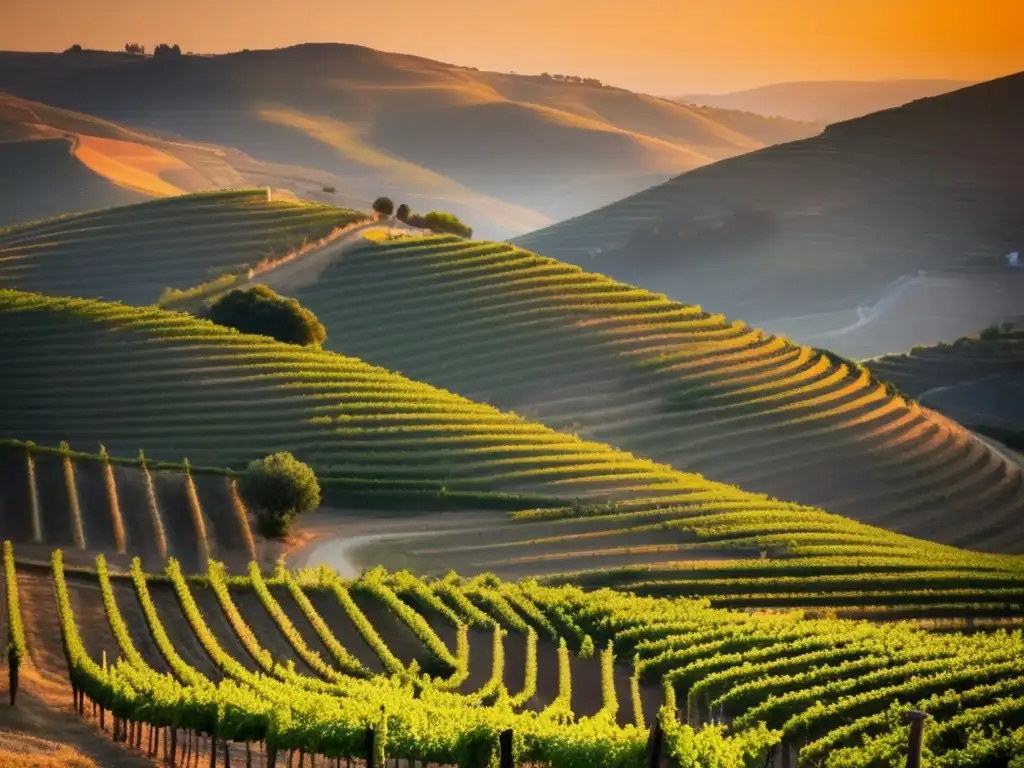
979 381
508 152
822 226
824 101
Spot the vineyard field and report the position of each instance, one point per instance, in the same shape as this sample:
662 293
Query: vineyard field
688 388
721 683
68 495
132 253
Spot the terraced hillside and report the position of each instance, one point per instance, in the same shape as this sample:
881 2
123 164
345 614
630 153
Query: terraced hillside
305 662
92 503
976 380
824 224
613 363
91 372
133 253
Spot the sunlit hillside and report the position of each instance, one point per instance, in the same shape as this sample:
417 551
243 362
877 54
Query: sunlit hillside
510 152
134 253
93 373
67 162
675 382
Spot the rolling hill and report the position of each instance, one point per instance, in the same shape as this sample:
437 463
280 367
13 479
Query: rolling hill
814 237
68 162
134 253
825 101
508 152
695 390
88 372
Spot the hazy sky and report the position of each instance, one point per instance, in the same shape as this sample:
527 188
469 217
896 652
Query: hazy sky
662 46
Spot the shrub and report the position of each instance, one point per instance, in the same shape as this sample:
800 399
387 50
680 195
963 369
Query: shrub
441 221
279 488
383 206
260 310
991 333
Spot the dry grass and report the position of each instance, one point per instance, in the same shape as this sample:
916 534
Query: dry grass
18 750
134 166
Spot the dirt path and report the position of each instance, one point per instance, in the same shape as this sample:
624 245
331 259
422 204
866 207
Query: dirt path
336 538
294 274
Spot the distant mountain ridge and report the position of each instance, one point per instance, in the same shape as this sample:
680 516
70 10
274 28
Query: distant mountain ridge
822 226
509 153
825 101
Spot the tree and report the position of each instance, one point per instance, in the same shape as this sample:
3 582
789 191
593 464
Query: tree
164 51
135 48
76 48
383 206
260 310
442 221
279 488
403 213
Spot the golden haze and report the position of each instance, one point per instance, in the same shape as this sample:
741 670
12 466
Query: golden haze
671 46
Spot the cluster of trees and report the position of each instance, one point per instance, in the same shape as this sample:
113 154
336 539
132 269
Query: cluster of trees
573 79
278 489
1007 330
435 221
165 51
162 51
261 311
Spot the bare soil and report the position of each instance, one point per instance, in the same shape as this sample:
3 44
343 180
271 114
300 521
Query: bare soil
94 503
333 614
54 506
140 537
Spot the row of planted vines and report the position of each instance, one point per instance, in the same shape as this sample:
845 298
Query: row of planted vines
585 354
438 669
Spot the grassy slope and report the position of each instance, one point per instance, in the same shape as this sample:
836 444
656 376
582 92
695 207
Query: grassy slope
614 363
868 201
496 148
133 253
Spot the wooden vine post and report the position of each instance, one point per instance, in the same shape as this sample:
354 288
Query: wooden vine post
655 746
914 745
505 746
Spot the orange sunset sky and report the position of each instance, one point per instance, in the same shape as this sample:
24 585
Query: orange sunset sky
661 46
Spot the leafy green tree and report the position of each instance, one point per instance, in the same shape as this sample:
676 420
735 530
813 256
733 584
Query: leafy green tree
279 488
383 206
441 221
262 311
403 213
